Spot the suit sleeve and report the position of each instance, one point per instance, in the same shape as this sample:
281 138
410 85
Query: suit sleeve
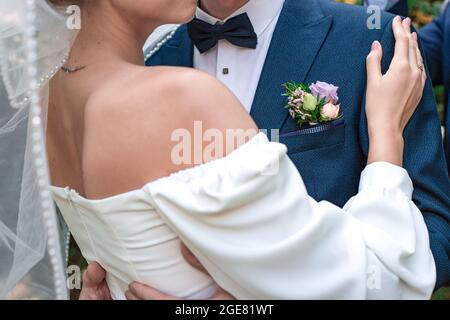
425 162
400 8
432 38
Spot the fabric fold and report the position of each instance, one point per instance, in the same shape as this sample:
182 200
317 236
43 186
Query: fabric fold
261 236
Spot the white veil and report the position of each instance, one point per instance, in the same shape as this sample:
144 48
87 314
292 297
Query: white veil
34 43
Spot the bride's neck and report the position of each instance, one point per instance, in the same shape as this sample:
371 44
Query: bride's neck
107 35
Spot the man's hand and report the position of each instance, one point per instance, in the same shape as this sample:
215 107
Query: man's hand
138 291
94 284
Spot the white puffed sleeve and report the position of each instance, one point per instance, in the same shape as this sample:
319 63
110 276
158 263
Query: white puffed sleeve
249 220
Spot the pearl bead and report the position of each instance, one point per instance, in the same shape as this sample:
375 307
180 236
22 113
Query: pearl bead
52 252
41 172
46 205
42 183
49 223
161 43
47 215
36 121
45 194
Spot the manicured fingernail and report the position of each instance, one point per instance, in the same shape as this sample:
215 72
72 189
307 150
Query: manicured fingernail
414 36
407 22
375 45
397 18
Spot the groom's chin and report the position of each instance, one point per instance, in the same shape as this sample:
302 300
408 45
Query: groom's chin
188 15
184 12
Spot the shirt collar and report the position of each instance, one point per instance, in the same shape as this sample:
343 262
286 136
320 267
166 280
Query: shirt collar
260 12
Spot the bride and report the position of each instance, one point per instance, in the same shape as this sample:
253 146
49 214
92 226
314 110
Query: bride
244 211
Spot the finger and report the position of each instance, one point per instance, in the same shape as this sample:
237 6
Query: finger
143 292
419 58
373 63
406 24
222 295
191 259
106 294
93 294
401 41
94 275
130 296
416 45
411 45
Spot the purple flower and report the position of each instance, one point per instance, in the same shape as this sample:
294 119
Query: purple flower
325 90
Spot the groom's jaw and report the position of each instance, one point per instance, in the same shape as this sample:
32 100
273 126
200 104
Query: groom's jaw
222 9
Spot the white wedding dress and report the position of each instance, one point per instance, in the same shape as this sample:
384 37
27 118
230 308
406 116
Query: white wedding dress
250 221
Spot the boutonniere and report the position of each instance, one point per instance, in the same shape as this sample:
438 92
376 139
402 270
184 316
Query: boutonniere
313 104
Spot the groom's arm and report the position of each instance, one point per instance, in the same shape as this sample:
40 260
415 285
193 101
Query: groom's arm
425 162
432 37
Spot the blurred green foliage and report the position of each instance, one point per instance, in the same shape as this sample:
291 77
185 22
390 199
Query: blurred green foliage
430 7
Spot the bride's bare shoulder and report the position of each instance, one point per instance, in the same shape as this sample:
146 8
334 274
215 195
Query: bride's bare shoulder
158 93
160 99
129 124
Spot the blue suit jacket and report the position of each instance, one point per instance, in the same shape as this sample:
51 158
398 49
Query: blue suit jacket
327 41
400 8
435 38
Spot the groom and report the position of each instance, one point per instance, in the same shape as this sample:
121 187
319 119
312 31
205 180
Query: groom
308 41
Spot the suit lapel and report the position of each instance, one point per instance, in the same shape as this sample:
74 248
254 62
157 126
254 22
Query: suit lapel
296 41
179 50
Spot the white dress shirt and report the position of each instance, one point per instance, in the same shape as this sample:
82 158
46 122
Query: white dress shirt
240 68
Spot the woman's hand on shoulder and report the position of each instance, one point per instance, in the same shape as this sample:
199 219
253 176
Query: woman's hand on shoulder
392 98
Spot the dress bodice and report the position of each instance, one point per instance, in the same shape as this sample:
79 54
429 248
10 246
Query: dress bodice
127 236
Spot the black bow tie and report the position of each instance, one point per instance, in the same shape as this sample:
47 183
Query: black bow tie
238 31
